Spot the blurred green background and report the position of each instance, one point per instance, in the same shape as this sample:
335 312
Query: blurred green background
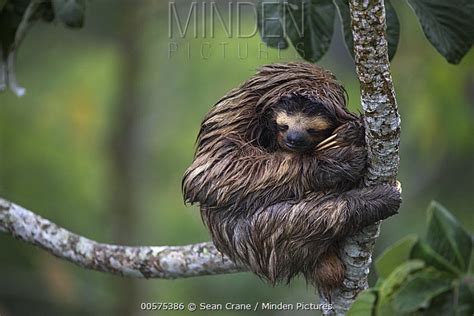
107 128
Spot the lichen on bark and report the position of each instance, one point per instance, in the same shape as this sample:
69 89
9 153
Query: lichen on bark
166 262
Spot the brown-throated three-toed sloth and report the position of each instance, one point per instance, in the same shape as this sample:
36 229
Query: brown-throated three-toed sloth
278 171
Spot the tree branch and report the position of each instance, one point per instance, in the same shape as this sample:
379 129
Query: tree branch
163 262
382 124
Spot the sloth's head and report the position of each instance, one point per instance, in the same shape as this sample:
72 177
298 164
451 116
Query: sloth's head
301 123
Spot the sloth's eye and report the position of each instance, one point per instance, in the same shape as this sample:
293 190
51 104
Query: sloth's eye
312 131
282 128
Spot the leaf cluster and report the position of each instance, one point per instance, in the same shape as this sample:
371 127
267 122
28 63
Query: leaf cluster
17 16
424 276
309 25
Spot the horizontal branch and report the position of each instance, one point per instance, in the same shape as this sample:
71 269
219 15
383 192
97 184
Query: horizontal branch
165 262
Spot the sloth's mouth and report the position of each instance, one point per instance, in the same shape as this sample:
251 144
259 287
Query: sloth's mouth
299 148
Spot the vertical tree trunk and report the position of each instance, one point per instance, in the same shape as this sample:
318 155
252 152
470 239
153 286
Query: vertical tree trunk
382 124
123 149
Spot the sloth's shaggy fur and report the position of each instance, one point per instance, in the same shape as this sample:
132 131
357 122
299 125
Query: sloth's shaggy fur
281 213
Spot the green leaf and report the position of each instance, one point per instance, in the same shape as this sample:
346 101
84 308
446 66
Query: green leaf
270 19
345 16
394 256
448 25
395 280
393 26
310 26
385 309
70 12
465 297
441 305
458 302
420 289
388 287
364 304
393 29
422 250
446 236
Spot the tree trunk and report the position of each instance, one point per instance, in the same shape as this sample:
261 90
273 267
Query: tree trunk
382 124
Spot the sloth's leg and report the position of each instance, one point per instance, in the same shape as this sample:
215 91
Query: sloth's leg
327 272
346 214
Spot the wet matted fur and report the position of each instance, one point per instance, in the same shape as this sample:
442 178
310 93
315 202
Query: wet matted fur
281 213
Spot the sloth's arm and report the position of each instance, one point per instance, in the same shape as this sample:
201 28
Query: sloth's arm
342 165
338 169
368 205
230 171
246 174
238 172
327 218
290 177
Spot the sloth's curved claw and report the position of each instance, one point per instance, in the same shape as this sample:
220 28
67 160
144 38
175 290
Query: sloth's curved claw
398 185
331 145
325 141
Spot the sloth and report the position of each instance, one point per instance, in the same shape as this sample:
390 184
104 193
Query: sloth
278 175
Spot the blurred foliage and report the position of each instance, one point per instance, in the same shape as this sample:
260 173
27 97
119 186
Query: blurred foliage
16 18
424 276
447 25
55 159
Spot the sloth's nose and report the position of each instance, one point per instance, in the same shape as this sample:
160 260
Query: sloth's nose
295 138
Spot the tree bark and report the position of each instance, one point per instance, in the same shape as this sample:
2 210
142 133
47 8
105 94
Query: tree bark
165 262
382 127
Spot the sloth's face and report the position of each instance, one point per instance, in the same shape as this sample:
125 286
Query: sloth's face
301 132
